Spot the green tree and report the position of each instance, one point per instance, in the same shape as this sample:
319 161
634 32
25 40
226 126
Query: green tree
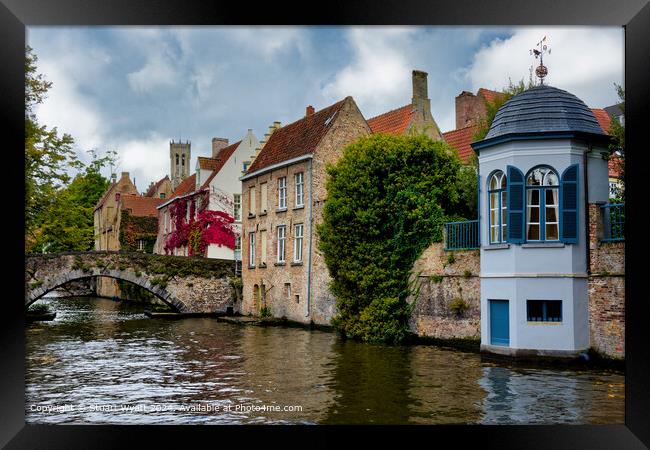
47 154
67 222
387 198
617 132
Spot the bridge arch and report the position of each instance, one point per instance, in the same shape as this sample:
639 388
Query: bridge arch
143 281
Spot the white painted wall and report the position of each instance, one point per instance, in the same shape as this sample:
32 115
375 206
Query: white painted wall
227 181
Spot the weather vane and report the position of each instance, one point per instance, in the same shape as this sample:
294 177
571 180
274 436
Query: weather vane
541 71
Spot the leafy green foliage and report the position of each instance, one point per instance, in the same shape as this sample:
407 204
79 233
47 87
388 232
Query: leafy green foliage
265 311
387 198
458 306
39 308
617 147
134 229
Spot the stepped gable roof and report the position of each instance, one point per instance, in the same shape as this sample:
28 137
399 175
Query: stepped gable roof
296 139
543 109
396 121
140 206
154 187
221 159
460 139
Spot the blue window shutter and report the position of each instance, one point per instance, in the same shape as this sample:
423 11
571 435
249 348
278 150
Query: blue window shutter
569 198
516 205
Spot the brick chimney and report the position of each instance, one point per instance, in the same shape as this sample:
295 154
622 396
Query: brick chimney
309 111
470 109
420 92
218 144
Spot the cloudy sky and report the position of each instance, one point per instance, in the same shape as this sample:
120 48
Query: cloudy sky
133 89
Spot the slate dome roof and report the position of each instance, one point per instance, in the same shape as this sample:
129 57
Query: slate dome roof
543 109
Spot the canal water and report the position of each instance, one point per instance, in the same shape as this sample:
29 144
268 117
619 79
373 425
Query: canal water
105 362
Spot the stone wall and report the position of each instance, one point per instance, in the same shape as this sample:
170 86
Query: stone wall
445 280
606 287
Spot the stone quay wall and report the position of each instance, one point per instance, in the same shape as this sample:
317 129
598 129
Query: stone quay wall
449 302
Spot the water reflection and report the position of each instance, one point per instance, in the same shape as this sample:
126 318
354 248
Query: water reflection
100 352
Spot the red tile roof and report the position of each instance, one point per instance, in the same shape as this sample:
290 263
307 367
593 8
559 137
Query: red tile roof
489 95
207 163
396 121
152 189
603 119
298 138
223 156
140 206
185 187
461 139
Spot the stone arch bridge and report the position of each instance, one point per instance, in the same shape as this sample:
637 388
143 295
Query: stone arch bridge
186 284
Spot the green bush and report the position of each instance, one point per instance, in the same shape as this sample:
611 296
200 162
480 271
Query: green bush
265 311
387 198
451 258
39 308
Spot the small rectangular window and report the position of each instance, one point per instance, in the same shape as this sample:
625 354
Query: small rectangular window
281 243
238 248
263 197
237 207
297 243
287 290
300 196
282 192
251 249
251 200
297 298
262 246
544 310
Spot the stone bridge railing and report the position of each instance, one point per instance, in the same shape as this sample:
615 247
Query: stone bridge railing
188 285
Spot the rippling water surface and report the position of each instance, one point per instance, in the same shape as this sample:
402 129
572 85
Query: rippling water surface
102 362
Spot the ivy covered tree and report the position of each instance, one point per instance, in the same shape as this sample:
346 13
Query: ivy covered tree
387 198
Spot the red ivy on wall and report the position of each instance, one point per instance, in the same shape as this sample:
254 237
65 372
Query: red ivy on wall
203 228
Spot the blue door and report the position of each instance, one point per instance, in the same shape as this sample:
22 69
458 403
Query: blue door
499 322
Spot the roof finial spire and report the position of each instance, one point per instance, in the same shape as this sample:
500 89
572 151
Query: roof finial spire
541 71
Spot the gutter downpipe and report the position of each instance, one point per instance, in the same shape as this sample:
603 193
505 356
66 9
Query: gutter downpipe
311 232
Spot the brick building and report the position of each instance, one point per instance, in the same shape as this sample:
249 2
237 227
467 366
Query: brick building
283 193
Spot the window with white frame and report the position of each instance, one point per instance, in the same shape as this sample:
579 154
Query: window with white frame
237 207
262 247
297 243
300 196
542 203
498 207
282 192
251 200
282 237
141 245
238 248
251 249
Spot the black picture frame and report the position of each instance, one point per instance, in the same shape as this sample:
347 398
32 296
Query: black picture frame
15 15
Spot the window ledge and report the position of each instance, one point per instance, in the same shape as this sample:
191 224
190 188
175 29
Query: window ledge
299 207
262 266
263 213
251 215
296 263
251 267
279 264
495 247
541 322
279 210
543 245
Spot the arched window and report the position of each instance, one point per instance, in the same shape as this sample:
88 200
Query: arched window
542 202
498 207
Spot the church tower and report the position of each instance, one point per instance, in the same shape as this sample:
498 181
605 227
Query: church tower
179 156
